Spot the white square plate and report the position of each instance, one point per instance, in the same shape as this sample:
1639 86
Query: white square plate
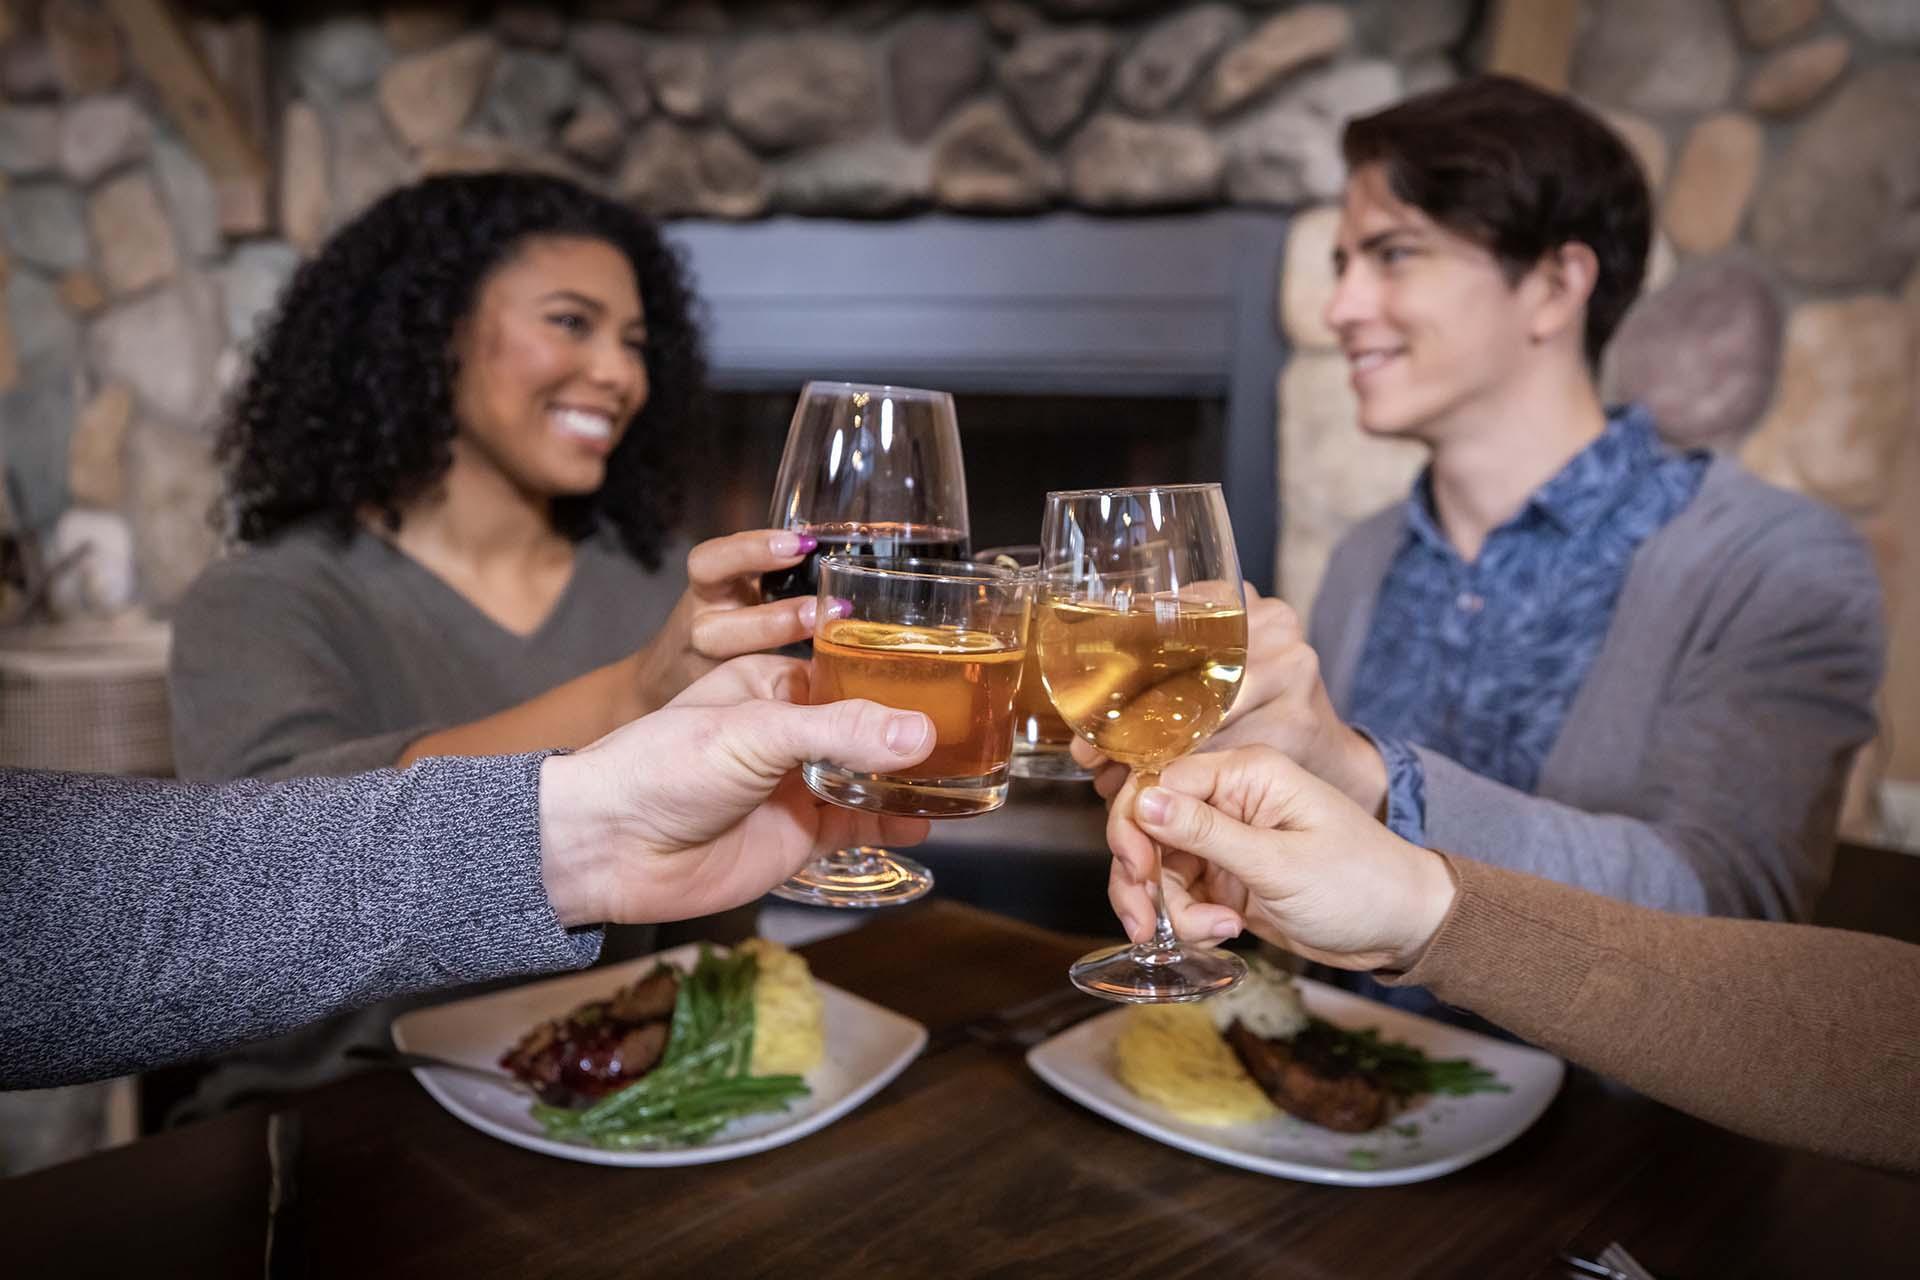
866 1046
1435 1136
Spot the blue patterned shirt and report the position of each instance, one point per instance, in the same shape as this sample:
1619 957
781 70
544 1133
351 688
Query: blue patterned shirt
1480 661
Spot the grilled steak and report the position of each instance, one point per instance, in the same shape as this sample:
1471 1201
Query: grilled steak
599 1047
651 997
1316 1087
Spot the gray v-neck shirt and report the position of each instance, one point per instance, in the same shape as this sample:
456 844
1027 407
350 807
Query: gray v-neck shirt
307 657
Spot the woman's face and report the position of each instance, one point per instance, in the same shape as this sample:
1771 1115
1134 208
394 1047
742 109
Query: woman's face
551 365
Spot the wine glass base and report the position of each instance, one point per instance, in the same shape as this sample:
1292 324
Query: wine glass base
859 877
1137 975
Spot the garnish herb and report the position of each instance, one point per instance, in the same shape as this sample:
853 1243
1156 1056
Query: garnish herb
1402 1069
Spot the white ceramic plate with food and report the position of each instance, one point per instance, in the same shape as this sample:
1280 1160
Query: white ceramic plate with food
866 1046
1433 1136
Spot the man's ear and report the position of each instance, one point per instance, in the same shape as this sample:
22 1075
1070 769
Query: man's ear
1564 280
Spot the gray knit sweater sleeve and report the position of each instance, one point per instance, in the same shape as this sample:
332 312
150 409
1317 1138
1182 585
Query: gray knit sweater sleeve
152 921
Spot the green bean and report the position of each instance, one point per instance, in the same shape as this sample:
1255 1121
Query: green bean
692 1069
703 1080
676 1135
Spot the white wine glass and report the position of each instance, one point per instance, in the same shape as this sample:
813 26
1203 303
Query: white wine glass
1141 625
1042 743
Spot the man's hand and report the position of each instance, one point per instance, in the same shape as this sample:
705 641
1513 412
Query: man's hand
1283 704
698 808
720 615
1253 840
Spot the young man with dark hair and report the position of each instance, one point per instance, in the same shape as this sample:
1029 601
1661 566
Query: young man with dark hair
1572 650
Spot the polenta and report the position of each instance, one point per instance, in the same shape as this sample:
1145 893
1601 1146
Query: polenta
789 1032
1172 1055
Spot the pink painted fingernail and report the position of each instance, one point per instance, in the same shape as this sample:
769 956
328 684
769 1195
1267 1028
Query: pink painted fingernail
839 608
792 544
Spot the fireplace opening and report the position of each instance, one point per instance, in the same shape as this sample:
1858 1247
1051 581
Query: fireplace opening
1016 447
1081 352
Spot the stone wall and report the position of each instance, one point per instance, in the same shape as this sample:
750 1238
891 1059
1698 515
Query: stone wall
128 311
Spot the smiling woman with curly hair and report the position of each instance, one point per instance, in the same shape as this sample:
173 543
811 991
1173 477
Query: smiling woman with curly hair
455 466
454 470
352 406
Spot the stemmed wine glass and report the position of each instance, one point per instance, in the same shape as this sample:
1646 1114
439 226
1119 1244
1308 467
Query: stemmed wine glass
1141 624
868 470
1042 743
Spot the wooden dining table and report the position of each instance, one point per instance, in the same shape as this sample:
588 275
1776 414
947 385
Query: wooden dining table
966 1165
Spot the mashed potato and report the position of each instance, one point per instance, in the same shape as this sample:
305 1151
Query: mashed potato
789 1033
1171 1054
1266 1003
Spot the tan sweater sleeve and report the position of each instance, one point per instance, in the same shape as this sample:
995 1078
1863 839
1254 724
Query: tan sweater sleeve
1802 1036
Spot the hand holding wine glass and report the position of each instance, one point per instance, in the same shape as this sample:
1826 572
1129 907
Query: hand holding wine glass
1142 632
721 614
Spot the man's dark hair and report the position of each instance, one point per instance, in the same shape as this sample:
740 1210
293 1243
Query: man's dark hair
1523 172
348 406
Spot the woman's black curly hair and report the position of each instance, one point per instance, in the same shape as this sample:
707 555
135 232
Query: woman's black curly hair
348 406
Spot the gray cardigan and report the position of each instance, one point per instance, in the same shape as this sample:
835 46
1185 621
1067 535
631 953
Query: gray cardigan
152 921
1701 765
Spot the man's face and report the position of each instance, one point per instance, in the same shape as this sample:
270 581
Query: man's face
1430 326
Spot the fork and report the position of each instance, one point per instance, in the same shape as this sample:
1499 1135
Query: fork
1616 1256
1023 1024
1614 1263
1579 1266
401 1058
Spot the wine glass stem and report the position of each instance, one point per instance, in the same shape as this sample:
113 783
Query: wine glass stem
1164 941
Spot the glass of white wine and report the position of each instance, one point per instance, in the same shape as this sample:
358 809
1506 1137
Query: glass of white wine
1141 625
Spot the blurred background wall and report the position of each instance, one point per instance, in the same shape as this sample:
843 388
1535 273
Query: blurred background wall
163 169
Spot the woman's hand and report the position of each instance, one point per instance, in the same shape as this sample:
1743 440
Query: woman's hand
720 615
698 808
1255 841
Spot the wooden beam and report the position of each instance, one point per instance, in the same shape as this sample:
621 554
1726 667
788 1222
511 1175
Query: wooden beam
235 50
1533 39
167 55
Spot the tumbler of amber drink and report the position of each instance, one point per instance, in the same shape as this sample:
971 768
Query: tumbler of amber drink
1042 743
943 637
